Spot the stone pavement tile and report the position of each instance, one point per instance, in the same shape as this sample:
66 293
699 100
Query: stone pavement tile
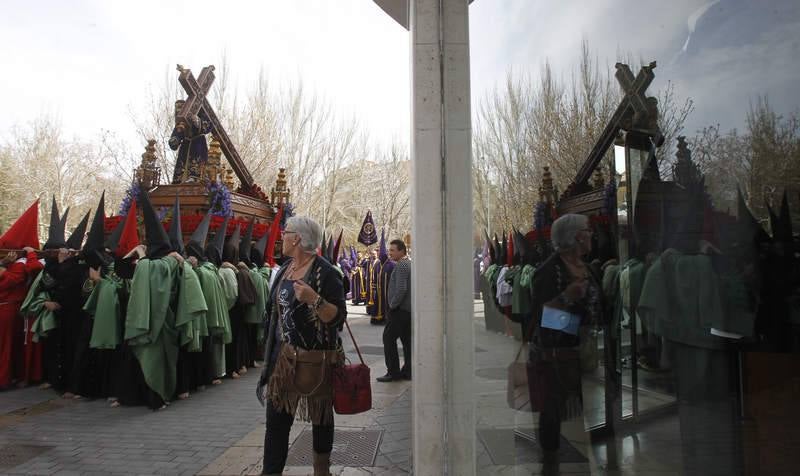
254 438
28 397
235 460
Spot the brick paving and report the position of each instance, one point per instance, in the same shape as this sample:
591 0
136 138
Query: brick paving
217 431
221 430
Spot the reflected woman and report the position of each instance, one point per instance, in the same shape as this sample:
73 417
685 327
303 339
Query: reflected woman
566 297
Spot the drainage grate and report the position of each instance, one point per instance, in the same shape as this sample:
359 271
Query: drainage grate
374 349
15 455
493 373
378 349
513 447
352 448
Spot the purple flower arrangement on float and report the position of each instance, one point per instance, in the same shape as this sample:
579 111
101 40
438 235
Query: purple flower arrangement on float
130 195
219 198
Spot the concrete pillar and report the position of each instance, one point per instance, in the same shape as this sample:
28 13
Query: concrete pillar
441 205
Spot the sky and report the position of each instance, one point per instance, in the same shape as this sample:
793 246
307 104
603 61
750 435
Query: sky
92 62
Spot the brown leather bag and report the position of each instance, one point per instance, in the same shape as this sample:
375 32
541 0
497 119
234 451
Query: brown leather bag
309 370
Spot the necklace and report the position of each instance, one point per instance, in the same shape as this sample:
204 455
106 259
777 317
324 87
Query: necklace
294 267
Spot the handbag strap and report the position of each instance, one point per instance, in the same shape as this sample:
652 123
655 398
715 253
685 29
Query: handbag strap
321 377
528 336
360 357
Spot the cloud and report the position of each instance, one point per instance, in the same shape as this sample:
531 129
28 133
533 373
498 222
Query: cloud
740 48
91 60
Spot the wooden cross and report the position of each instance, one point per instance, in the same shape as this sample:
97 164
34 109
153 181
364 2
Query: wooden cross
632 107
196 89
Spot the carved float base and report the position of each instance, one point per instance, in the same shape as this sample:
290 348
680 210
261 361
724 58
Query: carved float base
194 201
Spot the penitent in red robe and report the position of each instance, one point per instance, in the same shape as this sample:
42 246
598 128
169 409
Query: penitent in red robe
13 289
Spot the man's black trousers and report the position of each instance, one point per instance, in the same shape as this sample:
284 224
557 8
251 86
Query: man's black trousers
397 327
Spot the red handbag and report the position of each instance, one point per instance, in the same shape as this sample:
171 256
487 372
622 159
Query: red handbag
352 387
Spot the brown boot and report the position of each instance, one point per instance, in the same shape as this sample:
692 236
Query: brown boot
322 464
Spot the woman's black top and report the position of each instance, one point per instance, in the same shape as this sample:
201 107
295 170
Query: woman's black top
289 320
550 279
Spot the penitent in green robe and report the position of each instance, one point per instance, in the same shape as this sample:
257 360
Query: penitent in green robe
34 305
255 314
191 319
103 306
165 305
217 319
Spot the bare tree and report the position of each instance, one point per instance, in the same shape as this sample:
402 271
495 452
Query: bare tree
764 159
44 163
527 125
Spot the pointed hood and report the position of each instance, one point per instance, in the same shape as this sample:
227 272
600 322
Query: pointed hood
353 256
214 247
94 241
55 233
329 251
128 237
158 244
257 253
230 252
503 257
23 232
784 232
510 249
774 222
113 239
175 234
76 238
747 223
323 247
246 245
491 248
274 233
383 254
337 246
498 252
197 242
521 247
94 250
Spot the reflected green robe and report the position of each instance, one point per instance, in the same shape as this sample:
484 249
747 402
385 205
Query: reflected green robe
681 300
164 310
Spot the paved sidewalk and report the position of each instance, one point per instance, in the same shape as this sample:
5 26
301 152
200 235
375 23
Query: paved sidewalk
218 431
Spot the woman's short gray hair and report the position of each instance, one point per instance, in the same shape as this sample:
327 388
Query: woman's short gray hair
308 230
564 230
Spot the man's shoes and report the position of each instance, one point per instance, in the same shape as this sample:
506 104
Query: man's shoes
389 378
405 374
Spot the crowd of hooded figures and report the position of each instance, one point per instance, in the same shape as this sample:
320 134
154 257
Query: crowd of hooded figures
138 325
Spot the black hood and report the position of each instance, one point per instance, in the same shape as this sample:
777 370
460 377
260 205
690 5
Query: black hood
55 234
76 238
247 244
230 252
215 246
158 244
197 242
175 234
